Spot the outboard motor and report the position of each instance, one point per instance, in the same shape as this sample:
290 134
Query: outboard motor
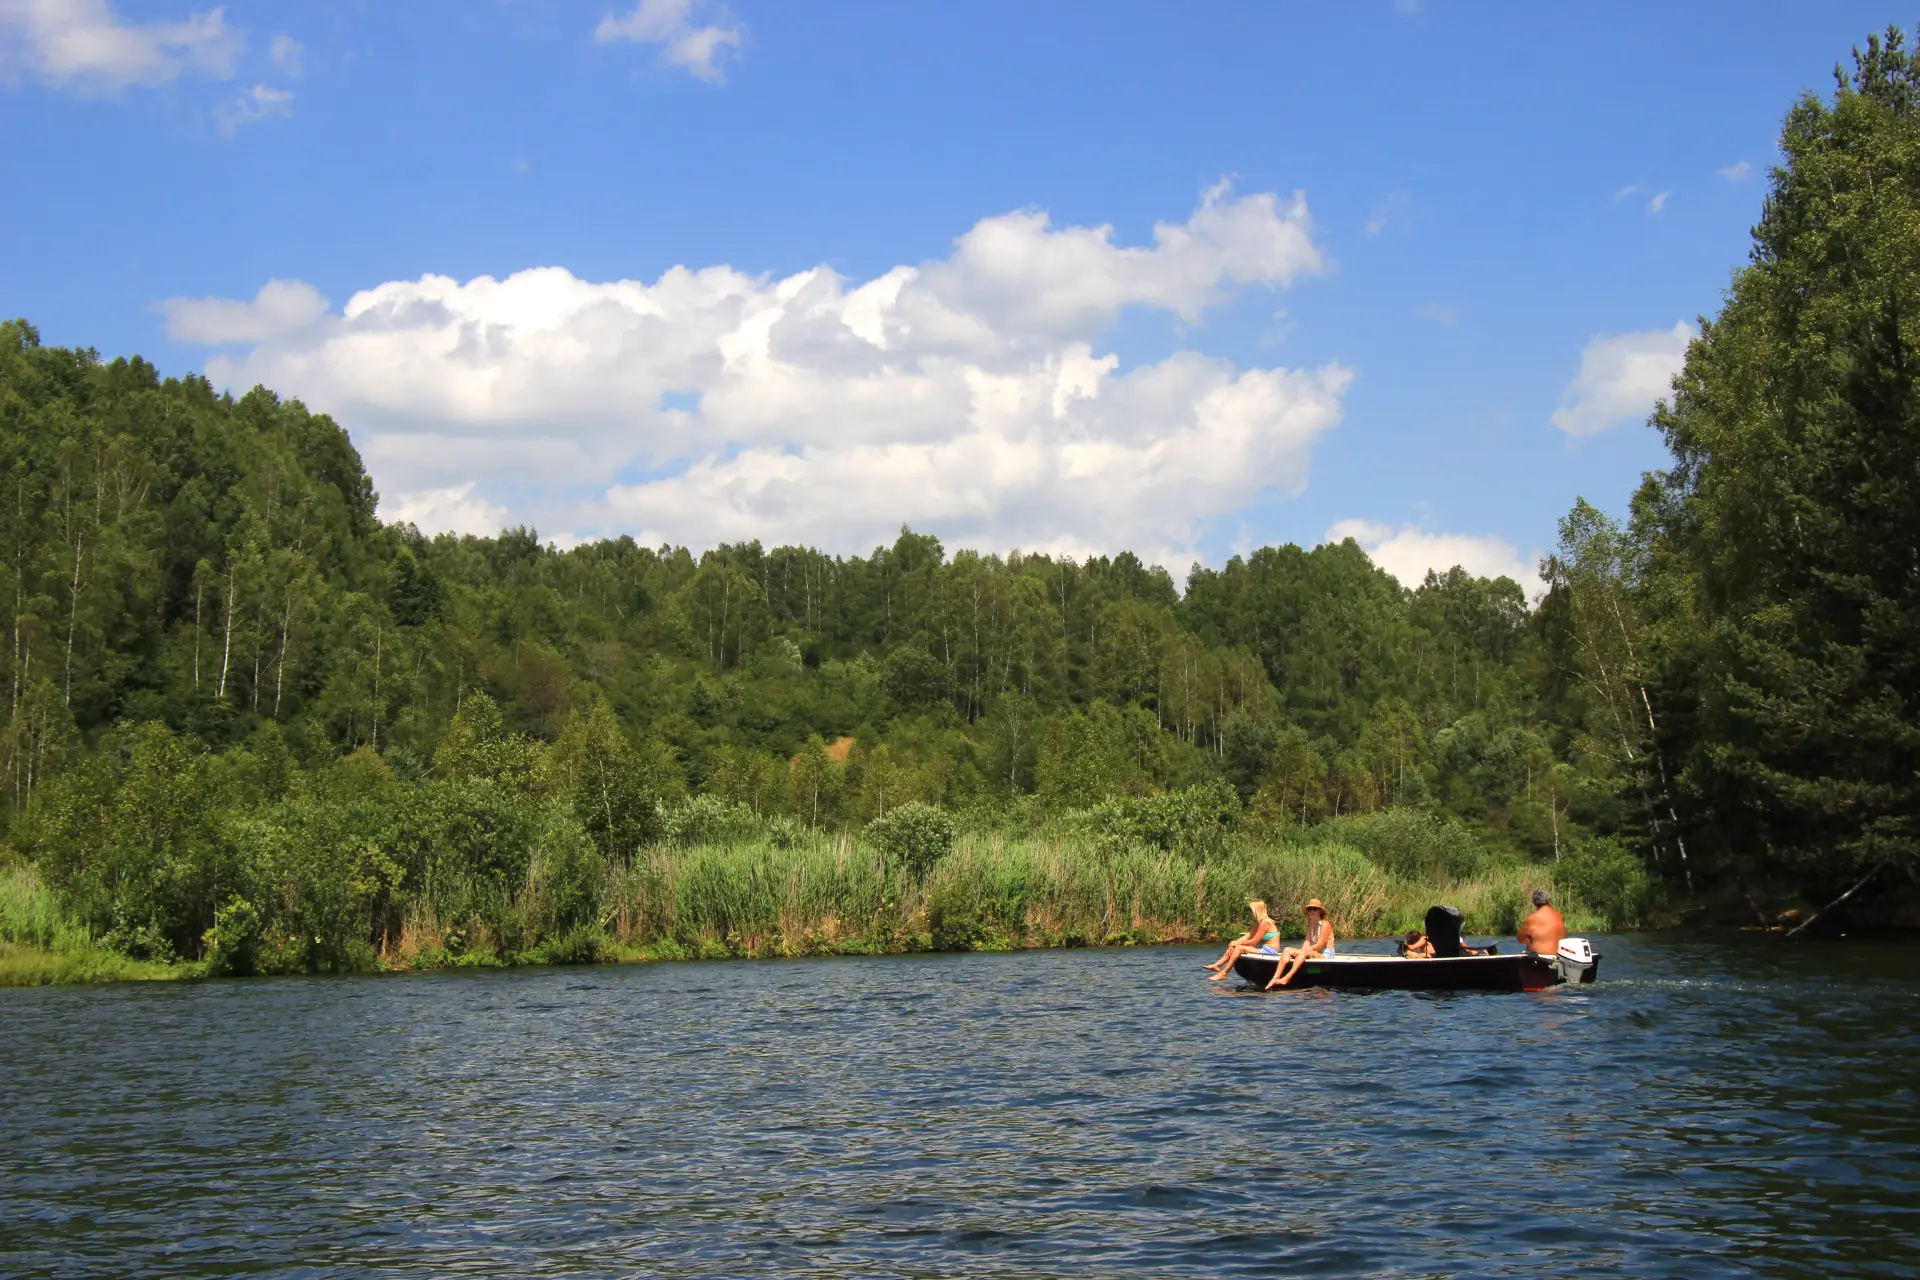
1577 960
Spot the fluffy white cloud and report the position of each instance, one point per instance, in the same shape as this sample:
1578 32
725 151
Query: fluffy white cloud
683 41
454 509
964 395
253 105
1737 172
1659 202
280 307
86 44
1621 377
1063 457
1409 552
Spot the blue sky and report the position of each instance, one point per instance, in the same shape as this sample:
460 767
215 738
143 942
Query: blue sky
1496 198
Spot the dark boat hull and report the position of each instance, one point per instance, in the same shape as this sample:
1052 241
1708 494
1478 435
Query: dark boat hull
1520 971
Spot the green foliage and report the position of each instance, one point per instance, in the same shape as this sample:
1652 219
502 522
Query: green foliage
251 725
1605 878
1194 819
1412 843
709 819
31 916
914 835
1739 664
615 794
232 944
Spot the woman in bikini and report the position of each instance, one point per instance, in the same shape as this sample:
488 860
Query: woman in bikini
1319 944
1264 936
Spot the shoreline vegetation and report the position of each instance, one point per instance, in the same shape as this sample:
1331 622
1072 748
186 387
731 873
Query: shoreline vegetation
252 727
756 896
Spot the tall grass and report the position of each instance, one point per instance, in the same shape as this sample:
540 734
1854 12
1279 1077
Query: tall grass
770 893
30 915
41 944
825 895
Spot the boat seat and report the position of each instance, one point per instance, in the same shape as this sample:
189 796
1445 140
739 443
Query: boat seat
1443 931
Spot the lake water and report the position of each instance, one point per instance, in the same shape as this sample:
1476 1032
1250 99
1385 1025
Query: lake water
1705 1109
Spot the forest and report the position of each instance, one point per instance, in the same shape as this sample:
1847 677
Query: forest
251 727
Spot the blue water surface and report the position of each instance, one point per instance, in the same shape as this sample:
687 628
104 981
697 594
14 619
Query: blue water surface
1706 1109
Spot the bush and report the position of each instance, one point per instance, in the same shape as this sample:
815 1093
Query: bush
1194 819
1606 878
564 882
709 819
1410 843
915 835
232 945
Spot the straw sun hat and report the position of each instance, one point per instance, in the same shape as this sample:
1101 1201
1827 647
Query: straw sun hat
1314 904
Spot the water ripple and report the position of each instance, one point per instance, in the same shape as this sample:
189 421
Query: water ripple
1707 1110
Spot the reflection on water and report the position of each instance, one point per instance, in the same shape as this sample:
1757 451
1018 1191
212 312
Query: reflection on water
1706 1109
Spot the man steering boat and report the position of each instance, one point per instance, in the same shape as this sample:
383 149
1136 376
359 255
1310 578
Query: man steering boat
1544 930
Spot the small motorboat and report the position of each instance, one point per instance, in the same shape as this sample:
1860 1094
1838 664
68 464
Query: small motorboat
1454 967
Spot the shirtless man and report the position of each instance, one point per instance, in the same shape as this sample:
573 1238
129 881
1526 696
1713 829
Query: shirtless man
1543 931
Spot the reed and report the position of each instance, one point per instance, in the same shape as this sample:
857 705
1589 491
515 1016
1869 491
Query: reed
30 915
781 893
40 944
827 895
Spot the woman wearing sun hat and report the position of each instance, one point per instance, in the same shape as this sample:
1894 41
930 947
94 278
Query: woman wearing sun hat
1319 944
1263 936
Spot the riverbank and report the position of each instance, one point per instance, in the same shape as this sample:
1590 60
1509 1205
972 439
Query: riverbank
819 895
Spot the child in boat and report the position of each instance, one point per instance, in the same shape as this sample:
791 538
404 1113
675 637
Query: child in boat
1418 946
1264 937
1319 945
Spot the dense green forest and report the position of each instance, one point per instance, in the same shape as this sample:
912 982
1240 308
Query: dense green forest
252 725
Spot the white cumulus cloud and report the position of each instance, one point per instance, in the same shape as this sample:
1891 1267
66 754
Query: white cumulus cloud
966 394
1736 172
1659 202
85 44
1621 377
454 509
1409 552
672 26
280 307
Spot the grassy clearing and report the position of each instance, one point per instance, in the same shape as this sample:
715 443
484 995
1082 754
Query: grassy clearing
40 945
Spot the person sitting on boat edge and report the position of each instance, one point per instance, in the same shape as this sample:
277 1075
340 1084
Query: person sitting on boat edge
1318 945
1417 946
1263 937
1544 930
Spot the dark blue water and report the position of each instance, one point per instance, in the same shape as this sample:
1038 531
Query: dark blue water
1706 1109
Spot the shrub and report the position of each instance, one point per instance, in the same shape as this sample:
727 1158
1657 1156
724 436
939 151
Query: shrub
708 819
1410 843
1194 819
564 881
232 945
915 835
1606 878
